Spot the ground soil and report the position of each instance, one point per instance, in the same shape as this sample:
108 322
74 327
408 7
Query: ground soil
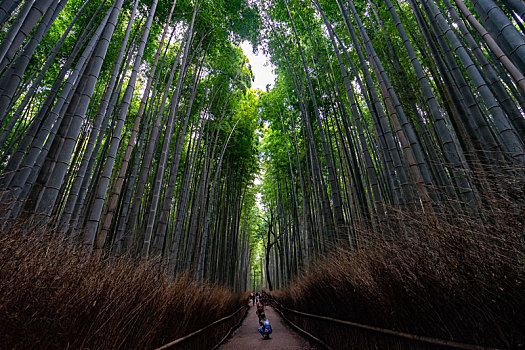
283 337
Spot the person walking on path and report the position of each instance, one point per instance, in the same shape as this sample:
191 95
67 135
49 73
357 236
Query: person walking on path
247 336
260 309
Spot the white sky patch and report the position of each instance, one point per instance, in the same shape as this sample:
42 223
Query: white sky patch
258 195
262 69
258 201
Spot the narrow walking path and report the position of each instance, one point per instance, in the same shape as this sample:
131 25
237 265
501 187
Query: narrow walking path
247 336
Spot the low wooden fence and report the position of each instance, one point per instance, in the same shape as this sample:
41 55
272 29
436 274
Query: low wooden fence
180 340
389 332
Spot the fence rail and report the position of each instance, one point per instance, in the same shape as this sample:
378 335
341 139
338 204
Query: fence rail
414 337
192 334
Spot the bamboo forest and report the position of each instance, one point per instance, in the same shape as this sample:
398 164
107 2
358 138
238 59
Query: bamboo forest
369 195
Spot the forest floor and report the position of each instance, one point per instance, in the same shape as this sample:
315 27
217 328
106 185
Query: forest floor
283 337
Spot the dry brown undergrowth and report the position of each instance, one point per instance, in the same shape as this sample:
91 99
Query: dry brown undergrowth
51 299
444 275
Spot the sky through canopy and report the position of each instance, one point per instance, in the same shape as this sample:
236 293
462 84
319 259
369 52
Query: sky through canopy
262 69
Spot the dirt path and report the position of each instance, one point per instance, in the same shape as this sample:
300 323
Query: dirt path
247 336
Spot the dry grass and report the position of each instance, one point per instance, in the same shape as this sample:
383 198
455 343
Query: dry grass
445 276
50 298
